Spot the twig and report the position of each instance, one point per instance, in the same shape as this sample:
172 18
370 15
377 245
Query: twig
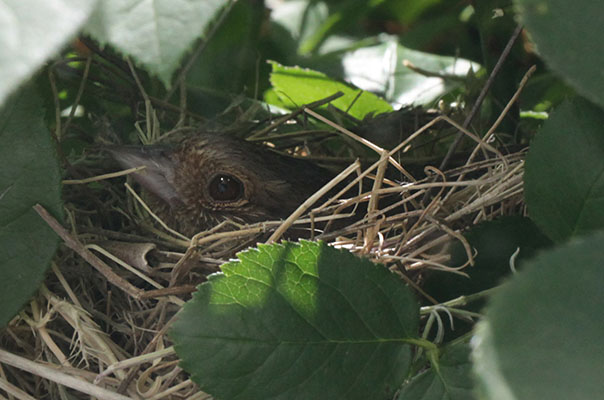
103 176
87 255
154 216
146 357
78 97
359 139
280 120
14 391
59 377
521 86
311 200
431 74
481 96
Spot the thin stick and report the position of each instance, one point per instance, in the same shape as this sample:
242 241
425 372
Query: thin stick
374 227
477 139
55 95
87 255
282 119
153 215
481 96
359 139
311 200
61 378
78 97
506 109
429 74
103 176
131 362
14 391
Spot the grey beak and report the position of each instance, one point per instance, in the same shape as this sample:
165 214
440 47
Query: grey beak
158 175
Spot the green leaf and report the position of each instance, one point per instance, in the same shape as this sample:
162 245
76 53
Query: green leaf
156 34
408 12
380 69
567 35
298 321
340 15
449 379
543 92
300 19
30 175
298 86
542 335
564 175
233 46
31 32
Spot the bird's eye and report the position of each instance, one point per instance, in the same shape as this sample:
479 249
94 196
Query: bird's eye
225 188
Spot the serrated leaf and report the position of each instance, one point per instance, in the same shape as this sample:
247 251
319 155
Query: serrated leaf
31 31
564 174
297 86
30 175
450 379
380 69
157 33
567 35
542 335
298 321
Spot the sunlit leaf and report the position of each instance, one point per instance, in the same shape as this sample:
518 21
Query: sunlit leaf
31 31
381 69
298 321
157 33
298 86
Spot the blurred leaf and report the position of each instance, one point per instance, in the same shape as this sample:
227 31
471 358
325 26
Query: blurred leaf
345 13
300 18
156 34
234 48
31 31
542 335
298 321
450 379
564 174
543 92
567 35
495 242
408 11
380 69
30 175
297 86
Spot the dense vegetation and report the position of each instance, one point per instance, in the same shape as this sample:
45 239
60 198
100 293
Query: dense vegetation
486 285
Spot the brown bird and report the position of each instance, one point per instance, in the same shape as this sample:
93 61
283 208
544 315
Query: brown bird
211 177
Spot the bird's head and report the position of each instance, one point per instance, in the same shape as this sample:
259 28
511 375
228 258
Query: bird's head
209 178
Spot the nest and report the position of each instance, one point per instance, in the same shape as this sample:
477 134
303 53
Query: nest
104 310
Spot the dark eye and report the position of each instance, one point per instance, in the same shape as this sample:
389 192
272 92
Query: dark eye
225 188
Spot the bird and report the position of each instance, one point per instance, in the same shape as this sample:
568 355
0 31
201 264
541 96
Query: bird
210 177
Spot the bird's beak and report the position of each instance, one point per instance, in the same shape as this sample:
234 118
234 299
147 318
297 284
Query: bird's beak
158 175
